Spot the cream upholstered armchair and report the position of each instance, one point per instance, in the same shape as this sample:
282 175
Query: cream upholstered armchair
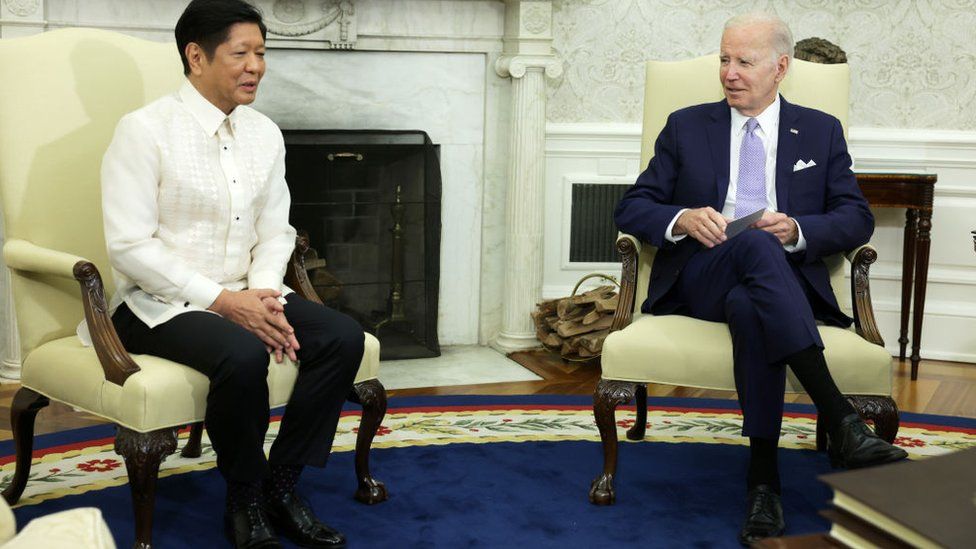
63 93
679 350
79 528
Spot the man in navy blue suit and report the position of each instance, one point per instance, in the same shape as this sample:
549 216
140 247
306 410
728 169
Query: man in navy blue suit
721 161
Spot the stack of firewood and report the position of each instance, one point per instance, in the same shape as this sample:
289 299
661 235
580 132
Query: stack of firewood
576 326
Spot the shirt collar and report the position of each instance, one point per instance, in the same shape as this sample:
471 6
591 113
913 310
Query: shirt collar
205 112
768 119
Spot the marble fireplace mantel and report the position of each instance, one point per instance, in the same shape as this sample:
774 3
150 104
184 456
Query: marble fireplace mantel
470 72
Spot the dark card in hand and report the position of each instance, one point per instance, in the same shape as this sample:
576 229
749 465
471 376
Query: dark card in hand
737 226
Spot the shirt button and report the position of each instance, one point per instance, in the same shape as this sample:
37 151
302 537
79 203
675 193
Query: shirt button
186 304
237 219
225 148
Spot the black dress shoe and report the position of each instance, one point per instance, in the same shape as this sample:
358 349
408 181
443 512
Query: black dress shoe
764 516
249 528
854 445
292 516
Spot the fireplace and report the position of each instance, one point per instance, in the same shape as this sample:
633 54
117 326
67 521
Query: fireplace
369 202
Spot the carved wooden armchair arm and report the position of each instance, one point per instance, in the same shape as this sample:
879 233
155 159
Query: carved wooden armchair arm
26 256
296 277
629 248
861 259
115 360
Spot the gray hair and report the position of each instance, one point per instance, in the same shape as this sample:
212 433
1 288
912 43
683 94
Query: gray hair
782 38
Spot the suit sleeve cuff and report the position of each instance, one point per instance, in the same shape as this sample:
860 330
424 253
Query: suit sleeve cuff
667 234
201 291
801 243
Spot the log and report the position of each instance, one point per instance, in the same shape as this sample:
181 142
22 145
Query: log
569 328
568 349
608 305
593 295
586 353
552 322
547 307
539 319
552 341
565 308
575 315
576 326
593 341
592 317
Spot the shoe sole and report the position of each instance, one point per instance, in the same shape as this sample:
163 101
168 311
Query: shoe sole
749 543
837 463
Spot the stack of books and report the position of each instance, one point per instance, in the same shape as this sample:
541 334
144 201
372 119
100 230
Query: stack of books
925 503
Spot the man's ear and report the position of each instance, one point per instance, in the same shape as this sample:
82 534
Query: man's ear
782 66
195 57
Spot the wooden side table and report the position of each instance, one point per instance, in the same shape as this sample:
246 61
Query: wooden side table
915 193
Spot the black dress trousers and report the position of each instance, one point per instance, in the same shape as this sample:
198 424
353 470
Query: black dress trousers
236 362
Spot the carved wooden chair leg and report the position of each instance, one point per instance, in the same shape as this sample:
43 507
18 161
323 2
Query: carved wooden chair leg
640 423
371 395
609 394
880 410
143 452
192 447
23 410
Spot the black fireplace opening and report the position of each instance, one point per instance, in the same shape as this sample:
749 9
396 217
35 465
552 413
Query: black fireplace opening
369 202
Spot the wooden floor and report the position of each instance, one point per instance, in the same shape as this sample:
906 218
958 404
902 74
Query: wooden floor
947 388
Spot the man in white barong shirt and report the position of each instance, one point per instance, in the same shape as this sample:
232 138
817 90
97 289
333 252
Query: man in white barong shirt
196 222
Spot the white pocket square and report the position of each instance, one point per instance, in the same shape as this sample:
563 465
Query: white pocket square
801 165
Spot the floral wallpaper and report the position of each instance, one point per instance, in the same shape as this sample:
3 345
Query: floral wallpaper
913 62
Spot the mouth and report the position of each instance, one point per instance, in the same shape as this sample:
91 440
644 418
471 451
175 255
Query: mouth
249 86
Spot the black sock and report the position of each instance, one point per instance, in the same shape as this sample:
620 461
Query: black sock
282 480
811 369
242 494
763 467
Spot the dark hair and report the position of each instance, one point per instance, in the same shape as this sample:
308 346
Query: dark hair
208 22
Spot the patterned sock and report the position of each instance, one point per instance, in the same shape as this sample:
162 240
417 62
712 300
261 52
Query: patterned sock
763 466
281 481
242 494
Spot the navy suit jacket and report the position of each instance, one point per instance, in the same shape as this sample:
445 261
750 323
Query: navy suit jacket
690 169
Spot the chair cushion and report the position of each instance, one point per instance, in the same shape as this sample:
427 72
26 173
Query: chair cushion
679 350
81 528
162 394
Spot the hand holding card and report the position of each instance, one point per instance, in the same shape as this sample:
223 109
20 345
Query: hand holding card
737 226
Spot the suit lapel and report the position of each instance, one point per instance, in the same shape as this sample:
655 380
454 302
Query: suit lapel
718 143
787 152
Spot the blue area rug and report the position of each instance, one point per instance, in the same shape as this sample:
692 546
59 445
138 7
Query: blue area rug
493 472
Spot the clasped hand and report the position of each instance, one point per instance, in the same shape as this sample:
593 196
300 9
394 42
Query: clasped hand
259 312
708 226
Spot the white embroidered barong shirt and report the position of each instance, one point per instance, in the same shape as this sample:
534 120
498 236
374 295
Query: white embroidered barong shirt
194 202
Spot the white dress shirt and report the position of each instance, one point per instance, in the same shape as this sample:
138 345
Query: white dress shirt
194 202
768 133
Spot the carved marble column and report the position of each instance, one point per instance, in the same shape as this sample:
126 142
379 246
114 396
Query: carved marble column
9 341
528 60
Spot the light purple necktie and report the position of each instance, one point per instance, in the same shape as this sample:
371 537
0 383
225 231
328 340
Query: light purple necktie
750 191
